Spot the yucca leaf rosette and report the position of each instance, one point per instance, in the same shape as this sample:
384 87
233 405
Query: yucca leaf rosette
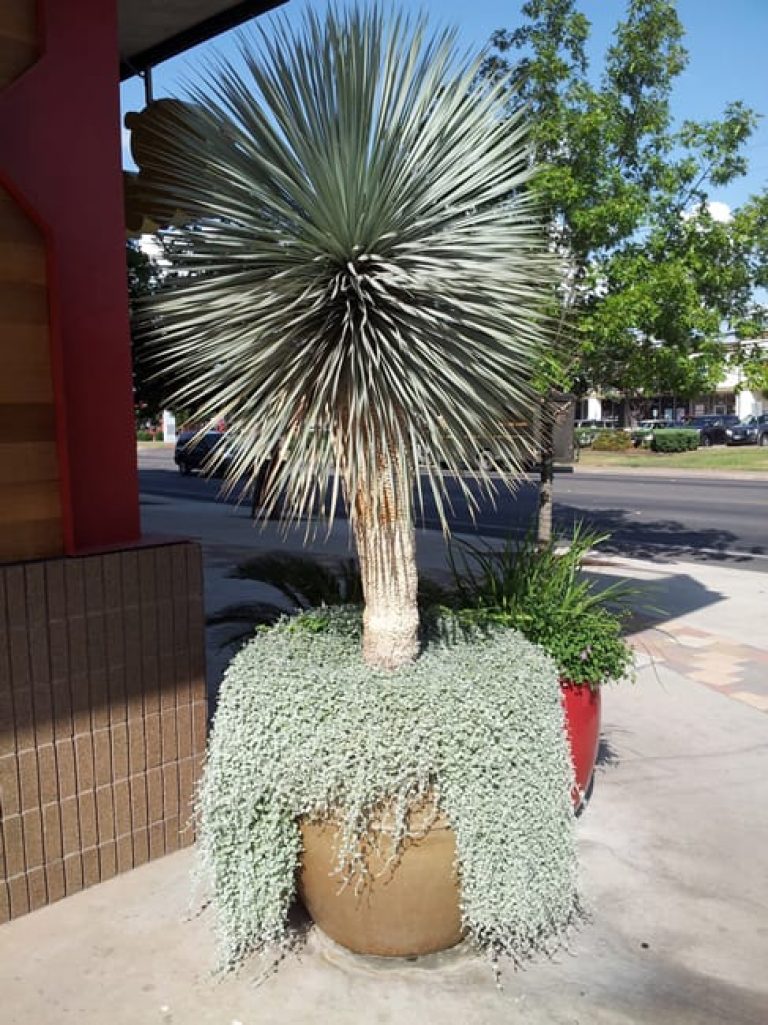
361 295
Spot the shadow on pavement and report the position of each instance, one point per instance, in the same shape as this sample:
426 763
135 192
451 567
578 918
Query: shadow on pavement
657 599
607 755
657 540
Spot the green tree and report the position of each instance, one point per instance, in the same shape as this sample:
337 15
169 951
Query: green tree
366 287
143 281
654 278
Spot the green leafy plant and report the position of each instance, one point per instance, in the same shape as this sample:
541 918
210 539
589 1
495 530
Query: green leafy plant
678 439
476 723
628 192
543 593
612 441
367 281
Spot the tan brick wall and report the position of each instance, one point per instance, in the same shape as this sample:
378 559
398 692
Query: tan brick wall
102 717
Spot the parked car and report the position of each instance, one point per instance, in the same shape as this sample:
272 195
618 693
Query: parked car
645 428
753 430
712 429
598 425
191 455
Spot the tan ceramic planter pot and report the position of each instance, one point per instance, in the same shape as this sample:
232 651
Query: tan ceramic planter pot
402 910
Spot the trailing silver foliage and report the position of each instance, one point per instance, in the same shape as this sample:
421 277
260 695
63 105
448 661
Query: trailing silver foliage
304 727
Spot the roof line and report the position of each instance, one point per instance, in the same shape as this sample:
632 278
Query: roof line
136 63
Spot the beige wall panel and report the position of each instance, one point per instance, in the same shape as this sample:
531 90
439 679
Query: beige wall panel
36 538
22 257
27 422
30 505
29 502
26 462
20 262
23 302
26 367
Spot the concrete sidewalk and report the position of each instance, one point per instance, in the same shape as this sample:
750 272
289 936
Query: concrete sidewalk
705 620
674 855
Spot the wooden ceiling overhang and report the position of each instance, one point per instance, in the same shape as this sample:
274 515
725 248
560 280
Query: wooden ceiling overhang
151 31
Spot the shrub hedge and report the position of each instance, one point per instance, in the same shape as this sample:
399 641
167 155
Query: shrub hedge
612 441
676 439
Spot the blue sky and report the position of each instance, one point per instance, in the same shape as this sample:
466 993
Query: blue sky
726 44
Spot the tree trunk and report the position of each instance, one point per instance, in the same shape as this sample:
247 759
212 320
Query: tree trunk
386 547
627 416
546 477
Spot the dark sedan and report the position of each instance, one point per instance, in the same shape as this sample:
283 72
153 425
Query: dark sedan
193 451
712 429
753 430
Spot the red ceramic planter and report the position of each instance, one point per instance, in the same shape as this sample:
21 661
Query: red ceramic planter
582 721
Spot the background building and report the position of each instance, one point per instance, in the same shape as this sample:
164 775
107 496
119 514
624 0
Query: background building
732 395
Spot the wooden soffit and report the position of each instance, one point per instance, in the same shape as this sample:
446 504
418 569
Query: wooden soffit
151 31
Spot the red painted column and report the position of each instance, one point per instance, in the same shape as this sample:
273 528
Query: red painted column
60 157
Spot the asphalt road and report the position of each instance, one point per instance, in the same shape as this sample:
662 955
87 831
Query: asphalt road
702 518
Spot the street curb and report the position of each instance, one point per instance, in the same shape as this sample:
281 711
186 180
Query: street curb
669 472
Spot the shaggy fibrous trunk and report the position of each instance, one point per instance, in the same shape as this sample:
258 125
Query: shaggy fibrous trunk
386 547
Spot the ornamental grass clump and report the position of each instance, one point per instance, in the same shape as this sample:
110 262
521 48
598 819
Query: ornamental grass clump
305 728
542 592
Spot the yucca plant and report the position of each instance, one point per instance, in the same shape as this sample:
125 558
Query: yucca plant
366 279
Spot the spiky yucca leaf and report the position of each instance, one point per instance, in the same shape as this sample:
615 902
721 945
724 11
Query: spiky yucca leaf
366 280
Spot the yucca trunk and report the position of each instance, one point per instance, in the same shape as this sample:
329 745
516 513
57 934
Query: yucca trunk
386 547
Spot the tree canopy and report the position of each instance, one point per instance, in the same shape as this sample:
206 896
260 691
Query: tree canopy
657 273
143 280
